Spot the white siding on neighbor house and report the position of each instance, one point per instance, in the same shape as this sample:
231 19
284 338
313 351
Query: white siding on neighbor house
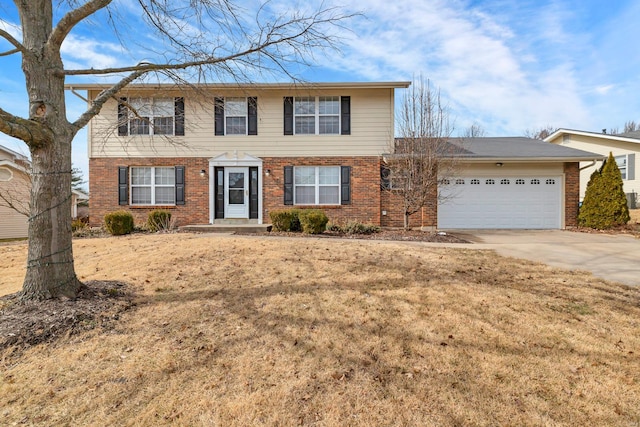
603 145
372 122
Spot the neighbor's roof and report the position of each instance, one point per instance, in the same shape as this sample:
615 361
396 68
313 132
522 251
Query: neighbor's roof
16 155
289 86
633 137
518 149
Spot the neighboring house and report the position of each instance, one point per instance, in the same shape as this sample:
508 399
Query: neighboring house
625 148
15 187
14 191
229 153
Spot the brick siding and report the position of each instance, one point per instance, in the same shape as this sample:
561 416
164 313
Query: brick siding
571 194
365 188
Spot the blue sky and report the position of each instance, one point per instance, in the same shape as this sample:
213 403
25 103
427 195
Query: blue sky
506 65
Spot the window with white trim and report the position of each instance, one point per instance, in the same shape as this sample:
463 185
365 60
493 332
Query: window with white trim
235 116
316 115
151 116
316 185
153 186
621 161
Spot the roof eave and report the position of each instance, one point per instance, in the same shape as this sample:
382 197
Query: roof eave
319 85
560 132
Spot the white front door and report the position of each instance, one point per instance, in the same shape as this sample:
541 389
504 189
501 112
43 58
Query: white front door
236 192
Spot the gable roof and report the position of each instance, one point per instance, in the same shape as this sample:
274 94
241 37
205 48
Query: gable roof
14 154
518 149
633 137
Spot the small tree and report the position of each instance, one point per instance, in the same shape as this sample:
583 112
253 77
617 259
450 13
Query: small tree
540 133
422 157
605 204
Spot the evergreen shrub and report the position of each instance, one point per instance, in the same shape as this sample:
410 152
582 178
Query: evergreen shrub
118 223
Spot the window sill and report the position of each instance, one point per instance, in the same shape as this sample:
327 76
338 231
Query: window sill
153 206
317 206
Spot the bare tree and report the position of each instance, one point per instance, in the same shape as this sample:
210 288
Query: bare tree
195 39
540 133
474 131
631 126
422 156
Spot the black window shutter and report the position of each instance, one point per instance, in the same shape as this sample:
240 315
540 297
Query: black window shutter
345 185
219 116
219 189
179 119
179 185
123 120
252 115
288 185
253 192
345 115
631 166
288 115
123 185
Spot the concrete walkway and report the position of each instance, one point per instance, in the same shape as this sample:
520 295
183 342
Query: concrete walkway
611 257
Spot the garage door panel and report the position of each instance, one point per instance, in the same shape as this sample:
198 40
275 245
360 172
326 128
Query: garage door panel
501 202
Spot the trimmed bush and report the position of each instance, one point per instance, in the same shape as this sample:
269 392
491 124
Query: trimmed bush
159 220
118 223
77 224
313 221
605 204
295 219
281 220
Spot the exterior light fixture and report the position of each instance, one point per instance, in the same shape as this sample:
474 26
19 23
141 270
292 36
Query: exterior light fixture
267 172
203 173
499 164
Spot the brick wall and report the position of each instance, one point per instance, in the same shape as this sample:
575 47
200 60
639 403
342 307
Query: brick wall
571 193
365 188
103 187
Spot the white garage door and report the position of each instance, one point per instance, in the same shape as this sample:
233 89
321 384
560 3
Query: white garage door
501 202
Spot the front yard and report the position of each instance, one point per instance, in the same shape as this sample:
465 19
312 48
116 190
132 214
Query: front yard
241 330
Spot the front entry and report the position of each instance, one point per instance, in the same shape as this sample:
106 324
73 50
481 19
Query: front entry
236 192
235 189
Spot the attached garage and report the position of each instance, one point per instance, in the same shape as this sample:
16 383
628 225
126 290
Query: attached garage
510 183
501 202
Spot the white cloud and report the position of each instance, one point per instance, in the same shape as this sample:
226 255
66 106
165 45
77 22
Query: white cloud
86 53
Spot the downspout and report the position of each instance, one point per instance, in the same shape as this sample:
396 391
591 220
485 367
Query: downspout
73 91
593 163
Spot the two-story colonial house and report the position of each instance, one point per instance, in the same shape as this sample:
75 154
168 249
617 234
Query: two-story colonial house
235 152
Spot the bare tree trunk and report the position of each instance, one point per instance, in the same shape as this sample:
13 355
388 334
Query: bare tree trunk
50 269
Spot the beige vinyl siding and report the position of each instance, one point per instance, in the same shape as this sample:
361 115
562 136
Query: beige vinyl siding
603 146
13 225
510 169
371 128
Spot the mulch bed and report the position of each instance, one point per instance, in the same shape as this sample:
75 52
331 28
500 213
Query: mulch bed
27 323
399 234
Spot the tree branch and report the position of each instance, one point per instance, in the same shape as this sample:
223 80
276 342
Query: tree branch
33 133
8 37
9 52
71 19
97 103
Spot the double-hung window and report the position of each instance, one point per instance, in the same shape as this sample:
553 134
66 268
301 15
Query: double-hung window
151 116
235 116
317 115
621 161
153 186
317 185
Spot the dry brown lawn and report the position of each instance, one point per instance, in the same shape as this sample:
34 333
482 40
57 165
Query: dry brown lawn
251 331
635 216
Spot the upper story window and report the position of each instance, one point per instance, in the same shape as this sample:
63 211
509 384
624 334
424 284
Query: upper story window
151 116
317 115
236 116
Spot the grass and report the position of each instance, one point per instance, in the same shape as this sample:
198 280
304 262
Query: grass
238 331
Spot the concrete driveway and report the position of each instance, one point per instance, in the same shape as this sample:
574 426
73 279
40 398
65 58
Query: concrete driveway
611 257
